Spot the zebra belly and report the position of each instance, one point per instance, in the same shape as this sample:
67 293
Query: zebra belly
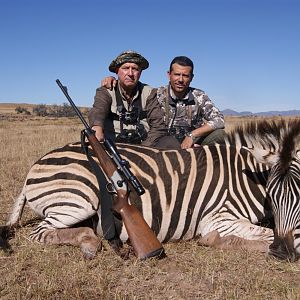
65 193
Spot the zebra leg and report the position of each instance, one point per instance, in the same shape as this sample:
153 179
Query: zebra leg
232 242
238 234
84 237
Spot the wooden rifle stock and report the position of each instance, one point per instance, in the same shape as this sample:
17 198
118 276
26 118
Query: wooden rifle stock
142 238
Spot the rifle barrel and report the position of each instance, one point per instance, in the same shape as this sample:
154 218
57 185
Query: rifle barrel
64 90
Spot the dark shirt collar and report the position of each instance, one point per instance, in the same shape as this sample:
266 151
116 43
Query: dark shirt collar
188 99
135 92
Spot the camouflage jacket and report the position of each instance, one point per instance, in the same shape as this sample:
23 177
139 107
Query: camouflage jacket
192 111
189 113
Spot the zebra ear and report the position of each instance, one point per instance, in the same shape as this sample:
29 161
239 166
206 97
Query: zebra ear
264 156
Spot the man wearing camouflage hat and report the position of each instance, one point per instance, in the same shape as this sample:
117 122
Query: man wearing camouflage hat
118 113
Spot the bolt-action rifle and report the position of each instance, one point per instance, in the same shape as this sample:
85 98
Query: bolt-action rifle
142 238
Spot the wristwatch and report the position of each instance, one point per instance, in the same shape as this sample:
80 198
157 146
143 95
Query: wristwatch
190 134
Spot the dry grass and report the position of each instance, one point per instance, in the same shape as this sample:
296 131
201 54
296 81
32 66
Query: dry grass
35 271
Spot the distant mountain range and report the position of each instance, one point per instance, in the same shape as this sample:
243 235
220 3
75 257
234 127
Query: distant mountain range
230 112
5 107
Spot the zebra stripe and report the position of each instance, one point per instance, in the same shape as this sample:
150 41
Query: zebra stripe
184 187
194 192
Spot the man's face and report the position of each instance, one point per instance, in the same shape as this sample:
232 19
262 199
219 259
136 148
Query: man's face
129 75
180 78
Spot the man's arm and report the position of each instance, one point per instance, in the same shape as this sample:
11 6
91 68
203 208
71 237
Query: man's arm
214 118
99 112
211 113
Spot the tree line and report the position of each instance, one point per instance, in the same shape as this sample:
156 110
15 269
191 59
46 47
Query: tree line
43 110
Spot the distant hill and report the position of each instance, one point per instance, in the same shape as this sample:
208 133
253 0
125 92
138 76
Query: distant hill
10 108
230 112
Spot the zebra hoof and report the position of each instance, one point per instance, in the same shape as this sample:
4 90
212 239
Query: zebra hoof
89 251
210 239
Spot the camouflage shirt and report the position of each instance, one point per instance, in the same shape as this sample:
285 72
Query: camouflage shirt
165 112
192 111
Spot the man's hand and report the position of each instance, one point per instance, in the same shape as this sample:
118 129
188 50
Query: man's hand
109 82
99 133
187 143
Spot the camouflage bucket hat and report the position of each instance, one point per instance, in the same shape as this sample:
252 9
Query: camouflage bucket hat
128 56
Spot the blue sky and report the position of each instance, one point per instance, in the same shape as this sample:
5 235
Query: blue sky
245 52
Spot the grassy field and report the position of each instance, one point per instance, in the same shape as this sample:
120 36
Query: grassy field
35 271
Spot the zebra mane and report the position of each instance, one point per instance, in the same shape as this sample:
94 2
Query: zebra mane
280 138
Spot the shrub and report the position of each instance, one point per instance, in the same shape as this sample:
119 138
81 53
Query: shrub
21 110
40 110
55 110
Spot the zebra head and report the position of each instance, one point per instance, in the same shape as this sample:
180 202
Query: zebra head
278 146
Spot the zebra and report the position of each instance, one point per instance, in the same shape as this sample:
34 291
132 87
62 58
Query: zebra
277 145
216 193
